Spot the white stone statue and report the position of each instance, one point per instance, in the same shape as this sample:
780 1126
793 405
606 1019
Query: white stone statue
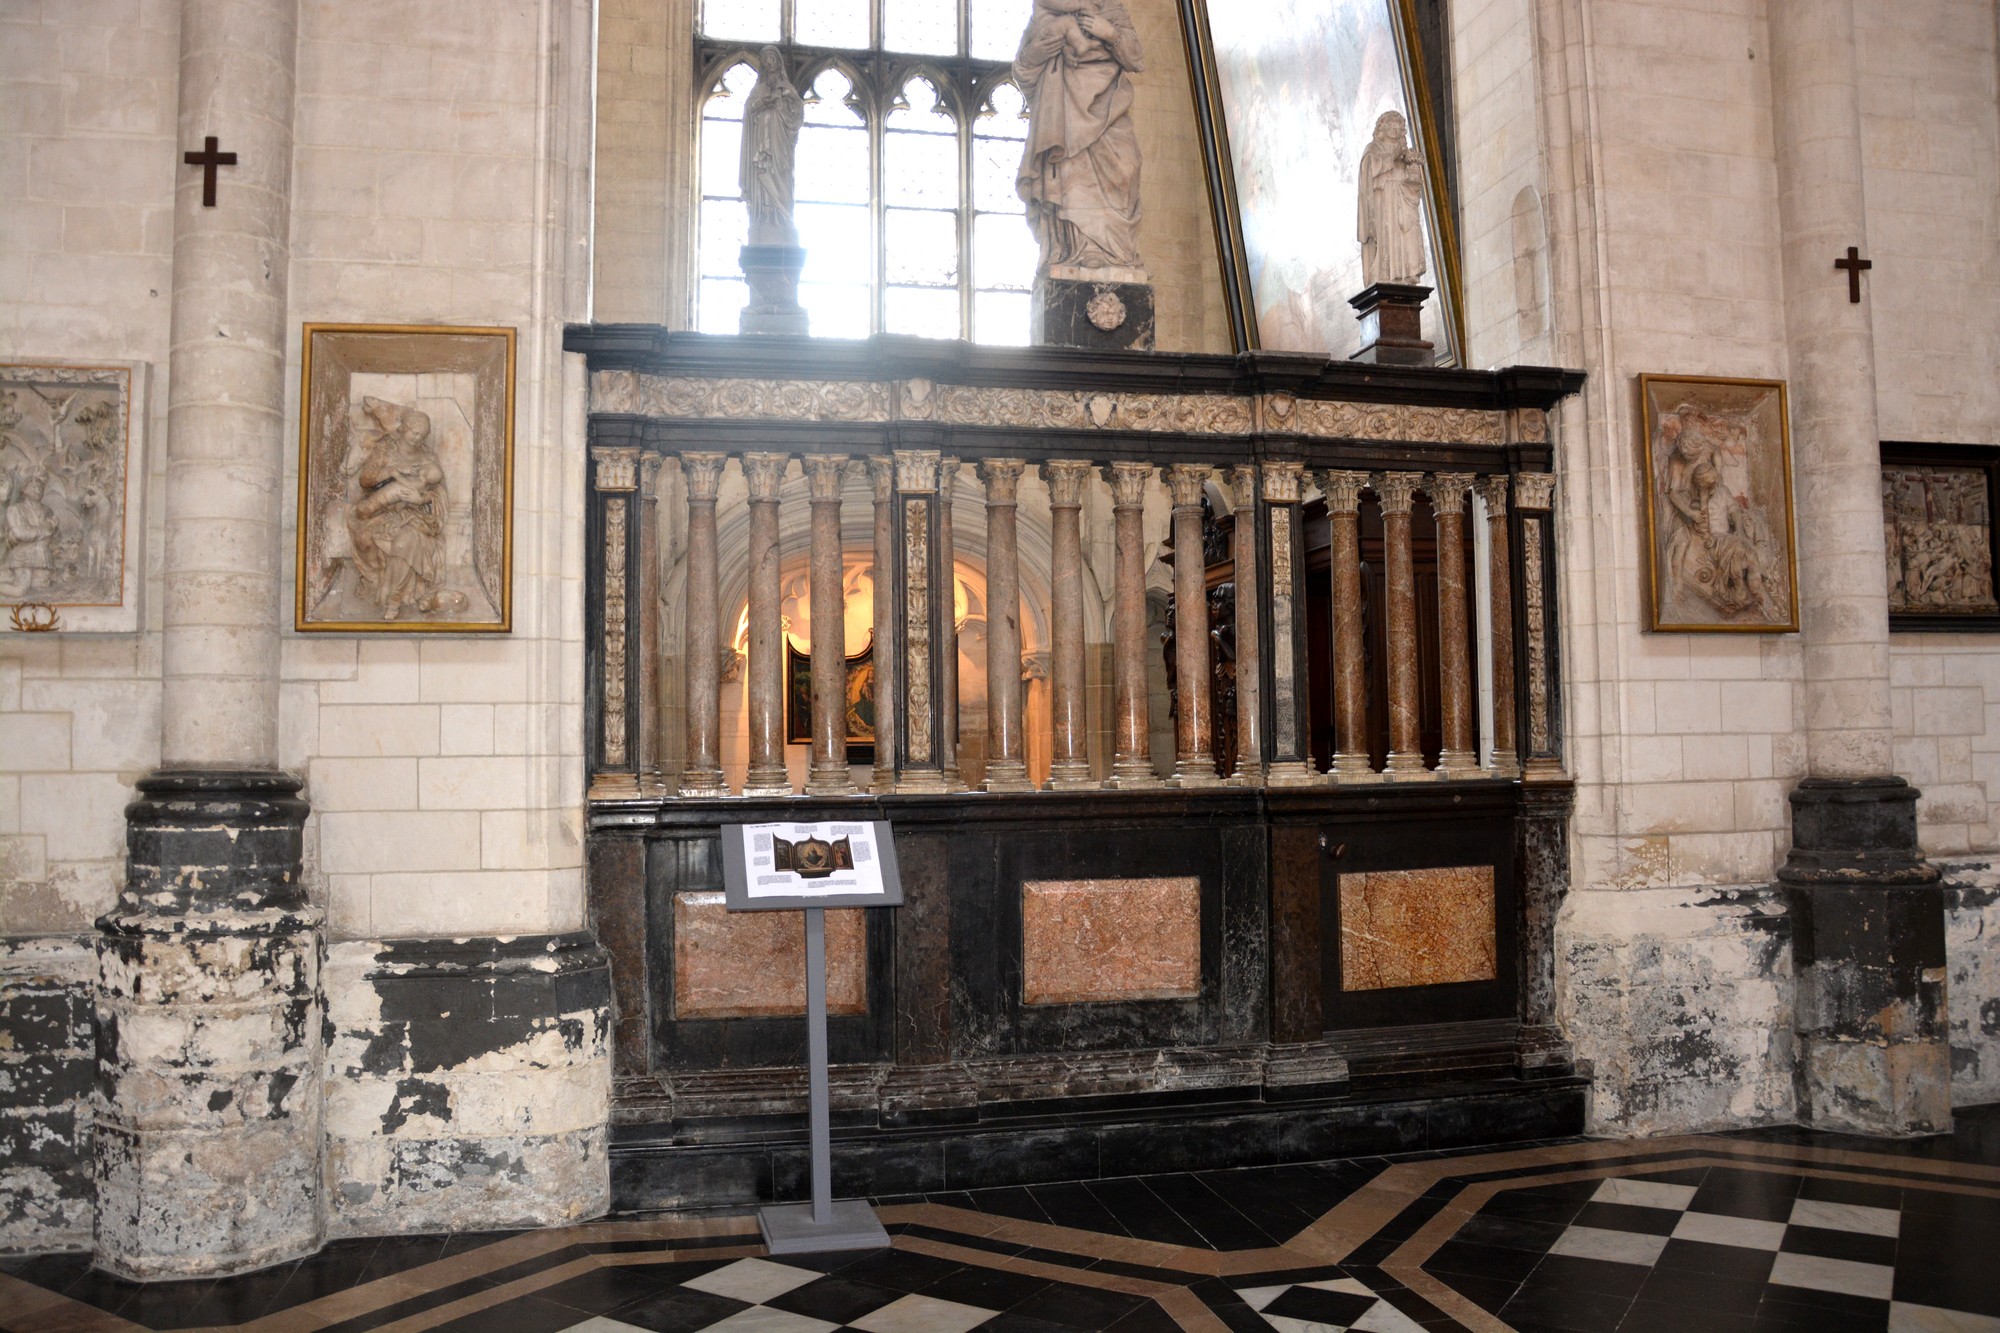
1390 205
771 121
1080 168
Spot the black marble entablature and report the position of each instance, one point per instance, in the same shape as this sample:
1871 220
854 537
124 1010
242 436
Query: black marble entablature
655 349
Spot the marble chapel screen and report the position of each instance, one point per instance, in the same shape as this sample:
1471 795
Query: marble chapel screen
1299 85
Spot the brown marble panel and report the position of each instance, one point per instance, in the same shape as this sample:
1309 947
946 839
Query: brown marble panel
1088 940
753 964
1416 927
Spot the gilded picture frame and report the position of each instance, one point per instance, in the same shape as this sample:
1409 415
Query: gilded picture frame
1721 541
860 700
1939 540
406 480
1252 69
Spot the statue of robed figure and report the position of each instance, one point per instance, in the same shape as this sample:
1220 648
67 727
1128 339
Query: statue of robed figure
772 258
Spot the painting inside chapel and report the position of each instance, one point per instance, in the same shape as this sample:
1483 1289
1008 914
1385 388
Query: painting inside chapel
1938 532
63 484
1300 86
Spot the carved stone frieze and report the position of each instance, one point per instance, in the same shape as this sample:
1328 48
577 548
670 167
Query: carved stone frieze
739 399
614 632
1075 409
1379 421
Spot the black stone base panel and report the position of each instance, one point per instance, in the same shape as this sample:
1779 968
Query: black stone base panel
762 1159
48 1060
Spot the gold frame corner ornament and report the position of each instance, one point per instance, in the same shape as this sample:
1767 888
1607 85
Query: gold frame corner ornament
1643 384
508 336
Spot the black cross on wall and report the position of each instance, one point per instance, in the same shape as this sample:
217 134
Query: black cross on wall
208 160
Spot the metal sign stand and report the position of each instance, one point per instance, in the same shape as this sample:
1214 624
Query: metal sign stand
823 1224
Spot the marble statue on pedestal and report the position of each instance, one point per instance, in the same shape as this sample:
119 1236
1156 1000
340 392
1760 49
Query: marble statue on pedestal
772 258
1390 197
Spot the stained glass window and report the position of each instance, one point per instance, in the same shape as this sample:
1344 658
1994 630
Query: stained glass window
905 196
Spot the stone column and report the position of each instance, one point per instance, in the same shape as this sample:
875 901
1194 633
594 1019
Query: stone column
947 552
1069 765
1290 750
1131 764
1006 765
1248 769
701 774
1398 491
1500 578
828 774
882 476
648 637
1350 653
1457 759
1867 910
923 601
207 1144
1194 712
766 667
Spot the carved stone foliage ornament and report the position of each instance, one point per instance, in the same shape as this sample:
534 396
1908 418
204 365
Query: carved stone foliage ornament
71 477
406 476
614 632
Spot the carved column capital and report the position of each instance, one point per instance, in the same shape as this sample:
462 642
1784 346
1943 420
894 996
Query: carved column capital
1284 483
824 475
703 474
1343 490
1186 481
1448 490
1397 490
1493 490
1066 478
882 476
765 472
1003 479
1242 481
649 475
617 469
916 471
1535 490
1128 484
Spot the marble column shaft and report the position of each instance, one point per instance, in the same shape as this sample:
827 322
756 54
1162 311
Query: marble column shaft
1398 493
1350 654
701 649
648 638
1243 493
888 672
1069 767
1500 587
1448 491
1006 767
1194 714
767 776
226 445
1289 750
947 548
1131 763
828 774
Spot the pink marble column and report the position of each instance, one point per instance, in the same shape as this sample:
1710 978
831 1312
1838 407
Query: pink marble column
1289 751
828 774
1131 762
1500 591
882 476
1069 765
1455 694
701 645
1398 492
1248 769
948 639
767 776
1006 755
1194 714
1350 653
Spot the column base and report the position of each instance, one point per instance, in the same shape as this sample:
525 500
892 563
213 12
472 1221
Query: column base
1004 775
1405 768
768 782
831 782
1072 776
1352 768
1197 772
703 782
922 782
882 781
1292 773
1455 765
1132 775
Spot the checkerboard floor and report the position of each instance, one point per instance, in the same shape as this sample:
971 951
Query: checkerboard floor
1760 1232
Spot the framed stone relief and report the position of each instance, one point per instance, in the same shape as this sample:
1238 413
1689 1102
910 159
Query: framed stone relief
1721 552
406 479
72 476
1291 96
1938 536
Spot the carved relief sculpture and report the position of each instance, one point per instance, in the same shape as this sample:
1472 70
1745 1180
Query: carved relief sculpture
405 479
1389 205
1719 504
69 496
1937 529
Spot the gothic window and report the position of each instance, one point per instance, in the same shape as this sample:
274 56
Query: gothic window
905 199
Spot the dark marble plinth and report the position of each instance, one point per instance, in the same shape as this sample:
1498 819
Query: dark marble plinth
1392 325
1108 316
1868 950
772 272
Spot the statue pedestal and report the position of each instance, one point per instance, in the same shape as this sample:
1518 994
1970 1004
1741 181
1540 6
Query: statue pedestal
1392 325
1107 309
773 274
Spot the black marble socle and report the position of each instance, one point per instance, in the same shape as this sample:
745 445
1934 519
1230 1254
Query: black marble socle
1392 324
1116 316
